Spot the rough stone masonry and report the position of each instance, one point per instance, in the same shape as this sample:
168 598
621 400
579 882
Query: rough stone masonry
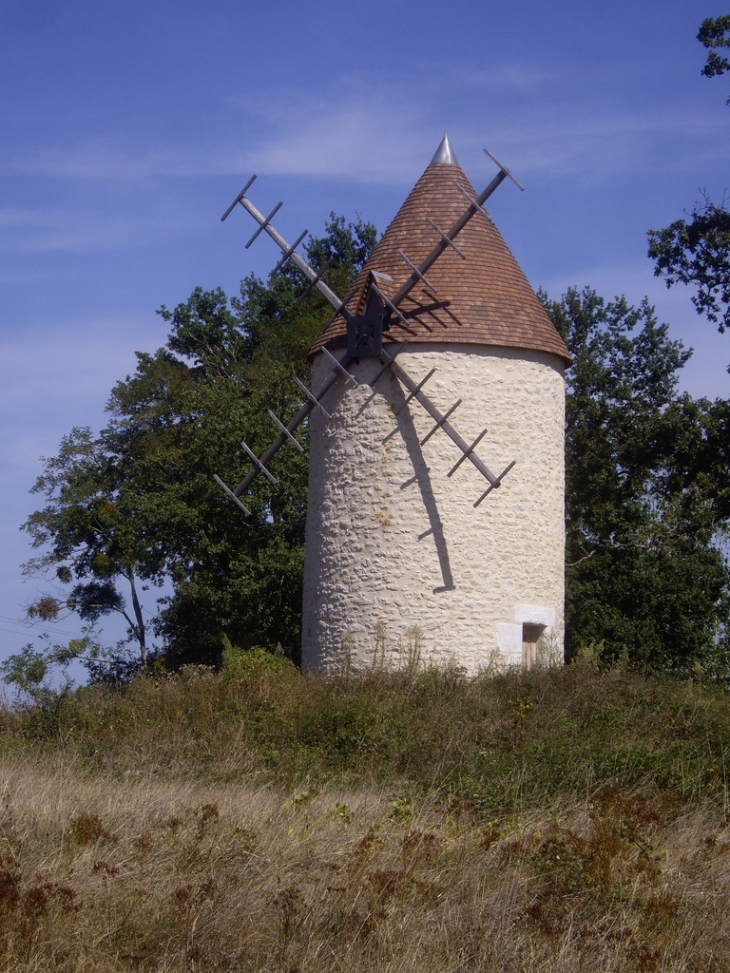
398 561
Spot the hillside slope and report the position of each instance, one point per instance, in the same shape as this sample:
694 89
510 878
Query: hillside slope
255 820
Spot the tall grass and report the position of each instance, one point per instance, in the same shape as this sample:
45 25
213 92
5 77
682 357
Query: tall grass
257 820
504 743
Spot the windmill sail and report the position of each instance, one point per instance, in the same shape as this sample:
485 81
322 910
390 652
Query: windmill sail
364 331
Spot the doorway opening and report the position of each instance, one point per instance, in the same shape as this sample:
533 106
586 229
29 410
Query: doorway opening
530 636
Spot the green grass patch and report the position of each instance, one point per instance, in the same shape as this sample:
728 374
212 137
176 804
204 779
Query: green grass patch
504 743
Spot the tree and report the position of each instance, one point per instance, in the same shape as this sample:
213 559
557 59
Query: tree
138 502
698 252
648 491
715 32
647 496
88 536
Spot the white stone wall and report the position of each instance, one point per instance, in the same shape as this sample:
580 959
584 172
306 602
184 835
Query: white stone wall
395 547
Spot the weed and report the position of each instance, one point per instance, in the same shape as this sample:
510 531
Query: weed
402 811
349 654
419 846
207 814
379 656
86 829
305 797
566 890
107 869
504 742
411 650
288 902
343 812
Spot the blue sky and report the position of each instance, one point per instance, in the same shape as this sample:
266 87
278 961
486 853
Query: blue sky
128 127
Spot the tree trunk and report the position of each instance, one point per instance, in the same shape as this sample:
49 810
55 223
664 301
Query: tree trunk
140 627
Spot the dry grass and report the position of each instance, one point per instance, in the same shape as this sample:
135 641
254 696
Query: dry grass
255 820
160 875
507 745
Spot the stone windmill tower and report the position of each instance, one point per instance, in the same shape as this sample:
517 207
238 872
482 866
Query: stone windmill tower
401 555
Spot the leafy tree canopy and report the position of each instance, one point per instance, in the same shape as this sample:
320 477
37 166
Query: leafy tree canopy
714 33
138 502
647 495
698 253
89 540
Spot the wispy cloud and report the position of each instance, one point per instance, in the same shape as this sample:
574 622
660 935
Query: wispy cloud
598 144
72 230
54 378
373 137
499 77
105 159
374 131
14 218
380 138
376 140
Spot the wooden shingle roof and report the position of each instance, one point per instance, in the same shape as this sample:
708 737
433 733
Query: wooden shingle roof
484 299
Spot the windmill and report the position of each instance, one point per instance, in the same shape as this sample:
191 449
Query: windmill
440 302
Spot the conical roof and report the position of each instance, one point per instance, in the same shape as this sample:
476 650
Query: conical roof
484 299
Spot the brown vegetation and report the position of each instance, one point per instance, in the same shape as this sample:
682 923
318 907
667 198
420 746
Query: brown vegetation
184 840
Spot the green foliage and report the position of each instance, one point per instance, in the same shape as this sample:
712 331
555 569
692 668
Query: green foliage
27 671
87 532
240 663
403 810
39 674
647 498
338 730
138 502
697 252
31 674
499 744
714 33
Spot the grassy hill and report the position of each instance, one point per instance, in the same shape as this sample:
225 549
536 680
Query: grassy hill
253 819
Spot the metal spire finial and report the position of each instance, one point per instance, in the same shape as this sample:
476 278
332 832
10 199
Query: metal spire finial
444 154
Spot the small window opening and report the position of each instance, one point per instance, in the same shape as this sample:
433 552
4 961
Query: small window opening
530 637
